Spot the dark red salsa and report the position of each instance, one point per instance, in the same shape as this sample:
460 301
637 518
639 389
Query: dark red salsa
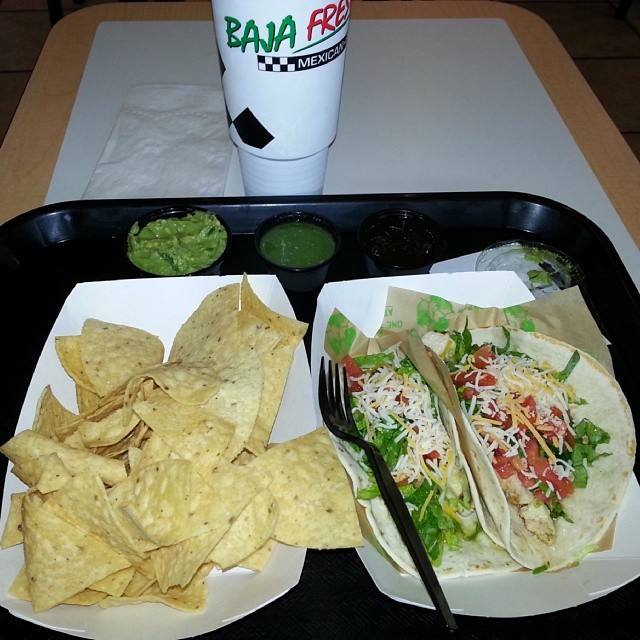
401 242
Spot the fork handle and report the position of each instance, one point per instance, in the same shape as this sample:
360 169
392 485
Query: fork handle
402 518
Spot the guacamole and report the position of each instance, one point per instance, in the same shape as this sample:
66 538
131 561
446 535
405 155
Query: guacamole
177 246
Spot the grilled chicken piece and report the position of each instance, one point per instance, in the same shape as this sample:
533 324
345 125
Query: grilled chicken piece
534 514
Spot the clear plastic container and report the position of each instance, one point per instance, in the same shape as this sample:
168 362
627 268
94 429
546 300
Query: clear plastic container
542 268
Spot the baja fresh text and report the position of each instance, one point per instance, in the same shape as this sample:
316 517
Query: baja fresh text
322 24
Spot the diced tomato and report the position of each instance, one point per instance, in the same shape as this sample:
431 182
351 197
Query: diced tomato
556 412
503 467
353 371
506 466
558 428
528 403
542 467
469 392
538 494
569 439
484 356
564 487
493 412
474 377
526 481
518 463
431 455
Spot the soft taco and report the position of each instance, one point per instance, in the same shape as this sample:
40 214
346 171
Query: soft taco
397 410
549 437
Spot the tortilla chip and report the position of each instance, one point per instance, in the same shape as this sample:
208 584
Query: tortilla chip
186 382
74 441
274 337
275 355
115 584
140 582
243 458
86 598
248 533
258 559
217 500
211 329
194 432
68 349
108 430
154 450
20 589
83 502
190 599
20 586
210 337
30 446
112 353
239 398
317 509
291 329
97 410
28 471
12 533
235 402
60 559
119 449
134 455
54 474
52 418
86 400
277 365
176 565
155 500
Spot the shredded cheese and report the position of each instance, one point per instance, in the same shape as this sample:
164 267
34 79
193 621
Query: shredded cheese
404 403
426 504
520 418
500 414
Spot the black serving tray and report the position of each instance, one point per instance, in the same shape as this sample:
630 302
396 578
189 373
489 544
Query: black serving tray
46 251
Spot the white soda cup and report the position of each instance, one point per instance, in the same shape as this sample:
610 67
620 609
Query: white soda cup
282 63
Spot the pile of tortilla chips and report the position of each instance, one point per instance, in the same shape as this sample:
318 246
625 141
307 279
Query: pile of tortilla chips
165 473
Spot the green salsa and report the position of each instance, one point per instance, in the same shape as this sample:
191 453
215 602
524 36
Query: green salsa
297 244
177 246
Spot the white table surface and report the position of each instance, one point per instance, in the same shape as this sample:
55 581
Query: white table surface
427 106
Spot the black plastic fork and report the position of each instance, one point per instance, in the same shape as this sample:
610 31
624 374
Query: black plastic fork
335 406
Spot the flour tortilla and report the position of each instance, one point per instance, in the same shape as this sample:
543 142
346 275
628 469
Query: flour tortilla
592 509
474 557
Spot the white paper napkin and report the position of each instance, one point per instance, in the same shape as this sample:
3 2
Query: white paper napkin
168 141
